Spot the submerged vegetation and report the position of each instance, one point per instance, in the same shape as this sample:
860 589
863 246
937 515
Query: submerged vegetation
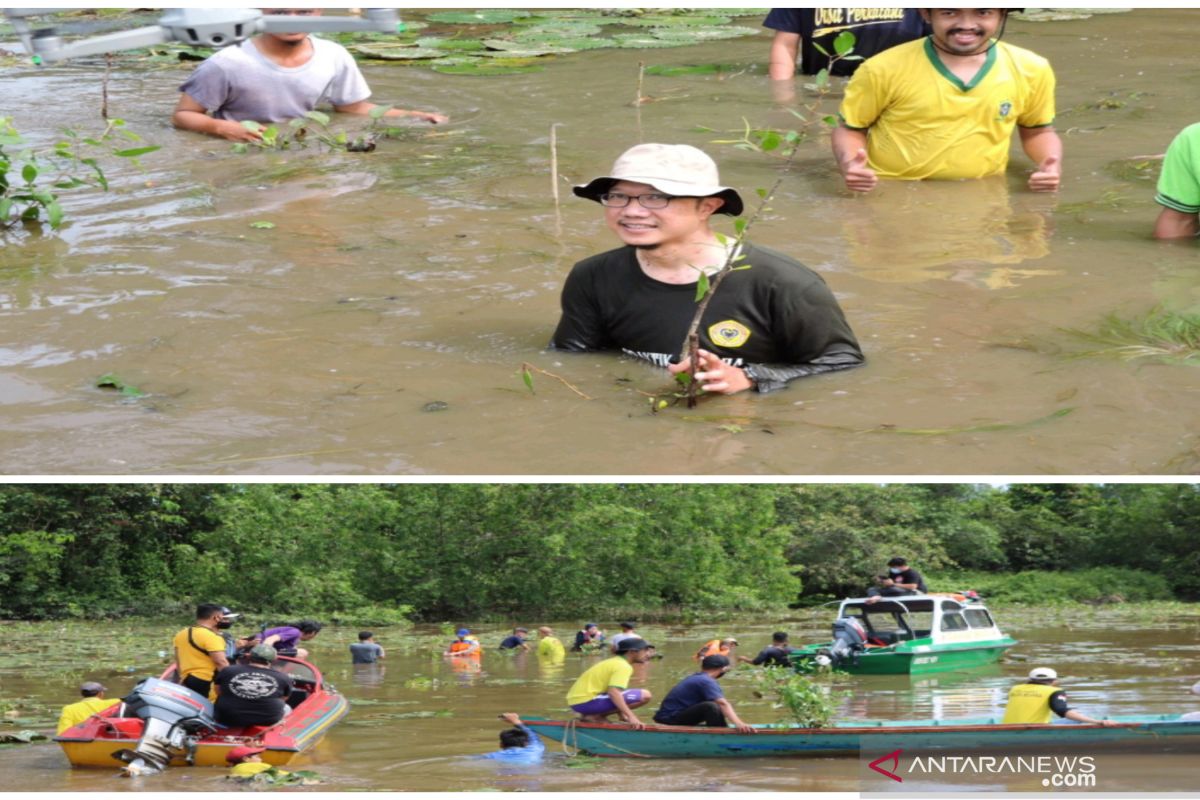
1161 335
384 554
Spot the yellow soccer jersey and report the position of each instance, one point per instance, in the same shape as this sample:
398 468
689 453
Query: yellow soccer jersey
924 122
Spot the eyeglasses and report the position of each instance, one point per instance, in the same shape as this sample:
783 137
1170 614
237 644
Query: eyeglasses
653 200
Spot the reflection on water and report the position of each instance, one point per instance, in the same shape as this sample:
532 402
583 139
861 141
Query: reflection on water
417 719
424 275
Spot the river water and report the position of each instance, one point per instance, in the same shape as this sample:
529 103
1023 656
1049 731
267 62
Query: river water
381 325
417 719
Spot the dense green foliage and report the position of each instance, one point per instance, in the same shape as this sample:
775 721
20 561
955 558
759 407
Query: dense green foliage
468 551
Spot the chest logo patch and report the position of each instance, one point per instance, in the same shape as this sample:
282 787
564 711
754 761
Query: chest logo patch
728 333
1005 109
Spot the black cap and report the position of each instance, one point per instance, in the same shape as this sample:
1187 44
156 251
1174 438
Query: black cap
714 662
633 643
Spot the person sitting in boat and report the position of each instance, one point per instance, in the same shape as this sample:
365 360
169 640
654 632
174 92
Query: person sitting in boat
517 640
698 699
603 689
200 649
464 645
93 702
549 645
590 636
1033 702
252 694
247 762
773 655
518 744
717 647
286 638
900 580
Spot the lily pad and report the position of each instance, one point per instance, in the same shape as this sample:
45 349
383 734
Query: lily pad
676 70
682 21
453 45
398 53
502 48
489 16
640 41
561 30
488 68
22 736
707 34
576 43
1063 14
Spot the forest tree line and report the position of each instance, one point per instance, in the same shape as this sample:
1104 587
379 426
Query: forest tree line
470 551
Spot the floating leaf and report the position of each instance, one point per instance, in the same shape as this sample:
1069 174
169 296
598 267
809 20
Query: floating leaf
134 152
317 116
455 45
262 225
113 381
637 41
680 21
399 53
484 68
490 16
697 35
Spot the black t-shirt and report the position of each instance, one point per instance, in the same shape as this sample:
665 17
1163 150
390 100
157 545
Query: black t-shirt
909 575
512 643
251 695
778 313
876 30
772 656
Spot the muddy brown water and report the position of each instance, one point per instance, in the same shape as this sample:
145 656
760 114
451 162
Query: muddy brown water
416 720
429 271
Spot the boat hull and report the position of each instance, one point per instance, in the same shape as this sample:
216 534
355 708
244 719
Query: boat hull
96 741
919 660
1159 733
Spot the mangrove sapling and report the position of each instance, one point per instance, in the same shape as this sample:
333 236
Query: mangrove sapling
29 175
808 703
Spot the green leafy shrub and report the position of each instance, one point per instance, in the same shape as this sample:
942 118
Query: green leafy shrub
808 703
1096 585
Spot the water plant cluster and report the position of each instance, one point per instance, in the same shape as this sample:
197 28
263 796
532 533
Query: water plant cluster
506 41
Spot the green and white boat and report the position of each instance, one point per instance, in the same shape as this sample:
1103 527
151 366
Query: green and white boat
908 635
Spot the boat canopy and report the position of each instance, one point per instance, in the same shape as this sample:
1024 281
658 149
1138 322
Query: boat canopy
896 619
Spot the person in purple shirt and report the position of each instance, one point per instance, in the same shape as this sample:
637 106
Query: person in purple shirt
286 638
698 700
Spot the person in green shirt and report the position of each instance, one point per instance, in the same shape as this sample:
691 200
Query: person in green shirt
603 690
1179 188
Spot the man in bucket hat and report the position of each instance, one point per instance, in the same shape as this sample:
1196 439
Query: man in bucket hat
1032 702
765 325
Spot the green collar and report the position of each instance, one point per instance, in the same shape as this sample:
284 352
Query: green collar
934 59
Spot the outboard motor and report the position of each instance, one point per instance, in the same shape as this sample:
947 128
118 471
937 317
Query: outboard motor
849 639
174 718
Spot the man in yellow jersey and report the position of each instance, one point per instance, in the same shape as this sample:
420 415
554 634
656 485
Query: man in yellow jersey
200 650
603 690
549 645
93 702
944 107
1032 703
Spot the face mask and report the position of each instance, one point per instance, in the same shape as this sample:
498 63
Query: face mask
895 570
224 624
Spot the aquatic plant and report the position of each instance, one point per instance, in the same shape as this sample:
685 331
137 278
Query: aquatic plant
1168 336
809 704
31 178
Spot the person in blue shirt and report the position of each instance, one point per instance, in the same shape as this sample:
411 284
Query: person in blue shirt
517 640
518 744
698 700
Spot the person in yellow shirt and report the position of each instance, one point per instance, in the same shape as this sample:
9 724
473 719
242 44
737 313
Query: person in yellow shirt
1033 702
945 107
247 762
200 650
549 646
603 689
93 702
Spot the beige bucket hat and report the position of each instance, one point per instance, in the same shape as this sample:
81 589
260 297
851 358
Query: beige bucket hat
675 169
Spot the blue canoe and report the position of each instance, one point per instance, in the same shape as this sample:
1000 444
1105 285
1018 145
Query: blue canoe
1160 733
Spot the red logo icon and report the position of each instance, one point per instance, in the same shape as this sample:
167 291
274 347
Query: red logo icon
894 758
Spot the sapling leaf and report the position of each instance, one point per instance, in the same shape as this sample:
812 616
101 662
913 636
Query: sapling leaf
844 43
739 225
134 152
702 287
29 173
821 50
251 125
54 214
317 116
527 377
761 192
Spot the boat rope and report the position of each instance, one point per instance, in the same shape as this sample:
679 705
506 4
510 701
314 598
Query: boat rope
571 748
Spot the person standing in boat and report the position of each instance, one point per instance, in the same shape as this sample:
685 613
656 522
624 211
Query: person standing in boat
900 580
1033 702
603 689
200 649
699 700
254 693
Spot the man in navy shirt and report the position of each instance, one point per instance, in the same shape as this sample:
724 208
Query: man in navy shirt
698 700
517 640
797 30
